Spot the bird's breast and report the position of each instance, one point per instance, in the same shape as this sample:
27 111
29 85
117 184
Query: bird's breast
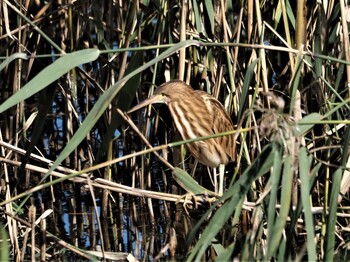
191 118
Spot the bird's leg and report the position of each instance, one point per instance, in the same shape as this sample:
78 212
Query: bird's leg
221 179
194 168
215 180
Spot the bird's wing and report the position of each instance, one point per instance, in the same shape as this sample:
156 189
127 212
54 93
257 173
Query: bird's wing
221 122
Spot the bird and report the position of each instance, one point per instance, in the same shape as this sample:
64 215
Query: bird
197 114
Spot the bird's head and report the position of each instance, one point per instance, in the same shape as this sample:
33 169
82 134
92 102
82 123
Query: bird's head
166 93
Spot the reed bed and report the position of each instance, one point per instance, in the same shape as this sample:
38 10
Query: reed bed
81 179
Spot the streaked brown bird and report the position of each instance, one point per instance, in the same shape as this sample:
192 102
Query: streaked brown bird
197 114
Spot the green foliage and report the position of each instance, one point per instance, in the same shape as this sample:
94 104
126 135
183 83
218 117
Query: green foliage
4 247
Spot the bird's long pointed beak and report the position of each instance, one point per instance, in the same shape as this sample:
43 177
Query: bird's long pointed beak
156 99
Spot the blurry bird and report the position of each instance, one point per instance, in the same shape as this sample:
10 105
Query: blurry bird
197 114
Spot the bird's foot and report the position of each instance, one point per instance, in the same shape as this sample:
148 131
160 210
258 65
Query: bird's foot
192 201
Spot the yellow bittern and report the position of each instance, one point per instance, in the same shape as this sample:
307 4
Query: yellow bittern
197 114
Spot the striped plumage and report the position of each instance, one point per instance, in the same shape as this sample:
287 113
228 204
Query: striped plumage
197 114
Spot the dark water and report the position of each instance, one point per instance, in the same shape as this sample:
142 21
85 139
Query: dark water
130 227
